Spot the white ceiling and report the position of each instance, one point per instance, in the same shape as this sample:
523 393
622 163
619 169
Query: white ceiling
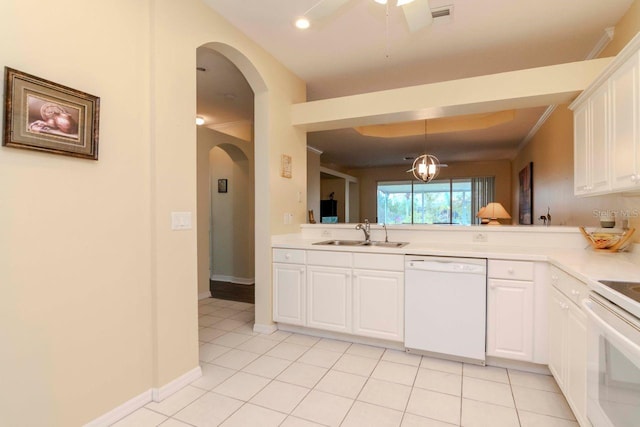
355 51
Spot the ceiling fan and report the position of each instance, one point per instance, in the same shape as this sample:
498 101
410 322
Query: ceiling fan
417 13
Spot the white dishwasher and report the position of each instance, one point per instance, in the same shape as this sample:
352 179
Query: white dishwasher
446 307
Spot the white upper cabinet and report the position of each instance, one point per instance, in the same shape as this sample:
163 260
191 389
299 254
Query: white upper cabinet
606 134
591 144
625 146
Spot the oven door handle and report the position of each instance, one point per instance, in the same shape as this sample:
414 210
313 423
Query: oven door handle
586 304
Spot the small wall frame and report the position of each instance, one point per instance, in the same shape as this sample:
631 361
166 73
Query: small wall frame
45 116
222 186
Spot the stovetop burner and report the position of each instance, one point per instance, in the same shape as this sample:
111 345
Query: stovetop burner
629 289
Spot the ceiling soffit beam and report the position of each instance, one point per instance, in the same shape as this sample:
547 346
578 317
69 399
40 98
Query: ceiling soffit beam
441 125
535 87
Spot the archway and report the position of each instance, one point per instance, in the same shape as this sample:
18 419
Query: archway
261 253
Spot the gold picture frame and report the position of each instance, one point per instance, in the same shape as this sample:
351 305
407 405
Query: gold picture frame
285 168
45 116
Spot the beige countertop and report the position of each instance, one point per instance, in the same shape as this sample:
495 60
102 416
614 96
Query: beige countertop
585 264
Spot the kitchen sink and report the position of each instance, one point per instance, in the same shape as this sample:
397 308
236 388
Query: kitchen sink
362 243
387 244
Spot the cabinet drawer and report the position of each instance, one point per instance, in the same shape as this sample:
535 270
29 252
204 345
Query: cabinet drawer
378 262
514 270
571 287
291 256
329 259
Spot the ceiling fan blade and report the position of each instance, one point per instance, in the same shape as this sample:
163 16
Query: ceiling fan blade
324 8
418 14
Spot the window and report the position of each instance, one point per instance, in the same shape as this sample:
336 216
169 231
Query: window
444 201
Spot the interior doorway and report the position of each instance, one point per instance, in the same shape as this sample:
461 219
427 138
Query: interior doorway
231 223
226 179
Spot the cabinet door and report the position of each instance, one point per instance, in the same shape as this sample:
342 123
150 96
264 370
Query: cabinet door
378 304
580 149
598 158
329 298
558 306
510 319
289 293
576 372
624 129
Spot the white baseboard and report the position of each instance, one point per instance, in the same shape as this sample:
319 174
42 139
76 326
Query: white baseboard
159 394
204 295
265 329
121 411
233 279
154 394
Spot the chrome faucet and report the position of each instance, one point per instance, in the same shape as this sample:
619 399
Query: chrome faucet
386 236
366 229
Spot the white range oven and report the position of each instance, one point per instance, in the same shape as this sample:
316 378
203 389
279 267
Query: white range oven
613 354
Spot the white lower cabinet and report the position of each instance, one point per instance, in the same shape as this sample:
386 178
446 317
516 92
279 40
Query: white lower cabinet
329 298
289 293
517 310
353 293
557 335
378 304
289 289
568 341
510 320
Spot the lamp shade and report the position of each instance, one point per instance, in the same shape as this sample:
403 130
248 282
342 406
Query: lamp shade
495 211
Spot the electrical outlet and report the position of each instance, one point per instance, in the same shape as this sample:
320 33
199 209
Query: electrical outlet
480 237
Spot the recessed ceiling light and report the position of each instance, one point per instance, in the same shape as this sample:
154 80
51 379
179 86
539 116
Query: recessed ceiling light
302 23
199 121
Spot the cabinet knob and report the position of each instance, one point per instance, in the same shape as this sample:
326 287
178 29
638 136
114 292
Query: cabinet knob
565 306
492 286
287 256
574 292
510 270
634 178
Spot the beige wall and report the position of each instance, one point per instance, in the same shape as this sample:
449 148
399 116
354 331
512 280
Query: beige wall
368 181
75 299
98 295
551 151
179 29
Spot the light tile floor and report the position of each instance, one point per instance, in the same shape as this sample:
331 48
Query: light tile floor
295 380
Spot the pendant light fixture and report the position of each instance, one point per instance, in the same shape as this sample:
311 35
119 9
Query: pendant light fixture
426 167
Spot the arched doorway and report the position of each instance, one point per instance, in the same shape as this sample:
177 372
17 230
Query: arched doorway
259 149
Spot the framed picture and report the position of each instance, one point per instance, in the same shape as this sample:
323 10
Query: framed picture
525 196
285 169
222 186
45 116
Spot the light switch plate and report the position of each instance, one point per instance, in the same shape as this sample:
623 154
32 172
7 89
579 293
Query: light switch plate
181 220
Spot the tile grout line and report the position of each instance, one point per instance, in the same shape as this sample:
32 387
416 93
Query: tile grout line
362 388
513 396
